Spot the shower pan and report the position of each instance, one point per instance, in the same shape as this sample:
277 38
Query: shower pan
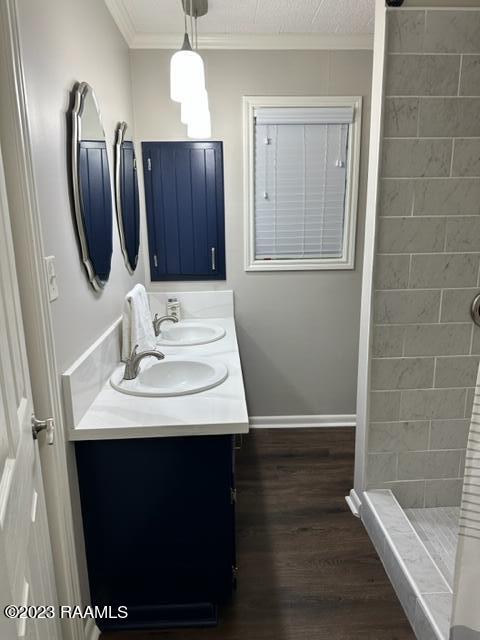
417 548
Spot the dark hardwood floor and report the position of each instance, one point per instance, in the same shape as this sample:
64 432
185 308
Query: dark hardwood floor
307 569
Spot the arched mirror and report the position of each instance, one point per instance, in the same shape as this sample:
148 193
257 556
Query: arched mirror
126 195
91 186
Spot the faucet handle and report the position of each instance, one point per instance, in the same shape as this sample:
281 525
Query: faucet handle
156 328
134 351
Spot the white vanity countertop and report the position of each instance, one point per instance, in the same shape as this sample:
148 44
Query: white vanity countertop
221 410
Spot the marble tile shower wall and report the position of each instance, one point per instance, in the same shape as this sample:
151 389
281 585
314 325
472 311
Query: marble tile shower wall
427 271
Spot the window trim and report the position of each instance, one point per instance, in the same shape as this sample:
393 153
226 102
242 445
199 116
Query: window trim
347 261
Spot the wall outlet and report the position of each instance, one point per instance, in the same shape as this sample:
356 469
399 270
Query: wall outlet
51 276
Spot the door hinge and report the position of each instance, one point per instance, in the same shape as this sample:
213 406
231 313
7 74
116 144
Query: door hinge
149 164
134 164
47 425
233 495
155 261
234 571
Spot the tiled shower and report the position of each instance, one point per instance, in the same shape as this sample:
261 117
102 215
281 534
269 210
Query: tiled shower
425 347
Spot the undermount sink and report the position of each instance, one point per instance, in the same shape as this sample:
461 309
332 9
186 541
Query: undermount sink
173 376
188 334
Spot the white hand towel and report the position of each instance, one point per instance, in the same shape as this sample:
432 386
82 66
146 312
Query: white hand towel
137 327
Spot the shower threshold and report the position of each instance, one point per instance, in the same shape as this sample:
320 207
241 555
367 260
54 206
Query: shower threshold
417 548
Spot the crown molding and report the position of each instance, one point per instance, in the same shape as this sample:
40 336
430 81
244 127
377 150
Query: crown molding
138 40
122 19
254 41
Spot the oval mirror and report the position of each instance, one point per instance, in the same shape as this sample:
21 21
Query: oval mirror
91 186
126 196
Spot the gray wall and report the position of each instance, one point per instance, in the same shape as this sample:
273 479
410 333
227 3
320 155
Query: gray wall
62 43
425 346
65 42
298 332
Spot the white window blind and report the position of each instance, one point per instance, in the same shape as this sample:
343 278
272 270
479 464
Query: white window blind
304 115
300 182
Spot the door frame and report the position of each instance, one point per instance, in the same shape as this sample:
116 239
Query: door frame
366 311
36 312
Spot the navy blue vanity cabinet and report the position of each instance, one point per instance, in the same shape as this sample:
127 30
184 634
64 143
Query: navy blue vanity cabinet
185 210
159 525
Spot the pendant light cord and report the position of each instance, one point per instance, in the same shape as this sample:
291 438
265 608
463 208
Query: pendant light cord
191 21
187 45
192 38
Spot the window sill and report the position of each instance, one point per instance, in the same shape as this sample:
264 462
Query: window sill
333 264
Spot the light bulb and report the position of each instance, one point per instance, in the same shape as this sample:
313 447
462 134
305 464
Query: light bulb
187 73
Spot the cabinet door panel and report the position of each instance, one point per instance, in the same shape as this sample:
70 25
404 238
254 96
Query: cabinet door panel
200 219
158 522
169 206
186 238
154 202
185 210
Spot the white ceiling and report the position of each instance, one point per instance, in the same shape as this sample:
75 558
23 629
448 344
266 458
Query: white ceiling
153 22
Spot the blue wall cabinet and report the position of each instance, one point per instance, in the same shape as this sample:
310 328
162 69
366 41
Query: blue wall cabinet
185 210
159 525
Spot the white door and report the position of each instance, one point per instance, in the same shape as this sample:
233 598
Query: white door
26 565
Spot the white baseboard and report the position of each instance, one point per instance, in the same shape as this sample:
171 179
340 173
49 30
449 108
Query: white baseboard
92 632
309 421
354 503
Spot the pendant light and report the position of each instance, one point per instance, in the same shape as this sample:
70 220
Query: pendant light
199 122
187 77
189 107
201 127
187 73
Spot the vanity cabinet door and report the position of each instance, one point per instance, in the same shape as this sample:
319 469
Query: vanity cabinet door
158 519
185 210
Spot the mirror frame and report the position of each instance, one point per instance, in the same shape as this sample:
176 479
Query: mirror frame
120 138
80 92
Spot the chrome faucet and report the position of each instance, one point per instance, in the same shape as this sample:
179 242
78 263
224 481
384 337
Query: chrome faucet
158 321
133 362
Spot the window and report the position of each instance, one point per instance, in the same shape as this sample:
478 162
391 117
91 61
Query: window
301 158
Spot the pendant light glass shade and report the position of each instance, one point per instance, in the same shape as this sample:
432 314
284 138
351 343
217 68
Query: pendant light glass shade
197 115
185 110
200 126
190 106
187 74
